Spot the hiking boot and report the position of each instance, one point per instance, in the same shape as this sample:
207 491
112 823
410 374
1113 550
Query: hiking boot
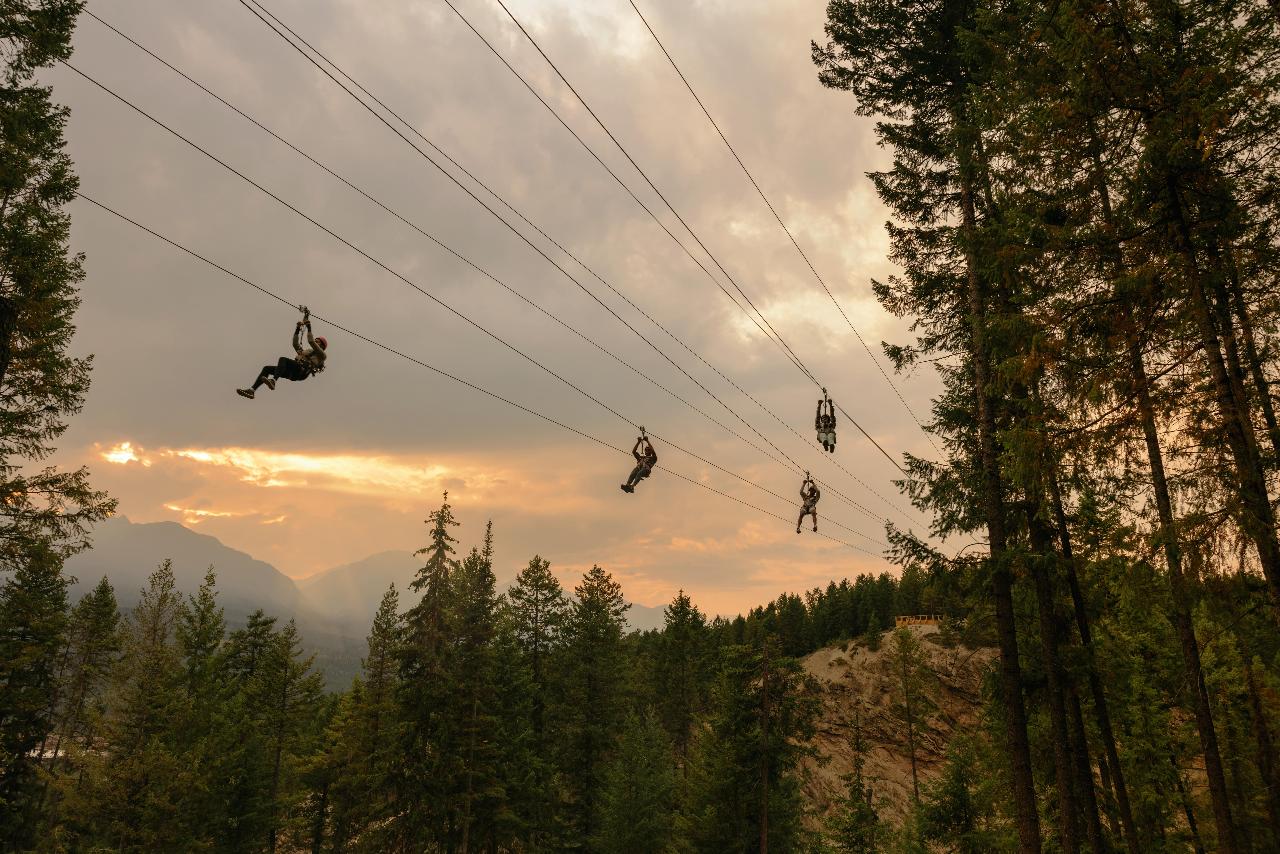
245 392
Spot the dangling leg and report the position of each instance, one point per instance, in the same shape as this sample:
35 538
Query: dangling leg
264 377
815 521
799 520
632 480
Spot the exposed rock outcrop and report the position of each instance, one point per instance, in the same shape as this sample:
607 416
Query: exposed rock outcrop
858 682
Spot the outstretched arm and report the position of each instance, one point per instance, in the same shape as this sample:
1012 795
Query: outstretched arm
311 339
297 338
635 452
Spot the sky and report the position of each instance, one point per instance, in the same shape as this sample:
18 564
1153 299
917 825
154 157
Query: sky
350 462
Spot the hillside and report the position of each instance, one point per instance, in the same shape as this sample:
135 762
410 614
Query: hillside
856 680
127 553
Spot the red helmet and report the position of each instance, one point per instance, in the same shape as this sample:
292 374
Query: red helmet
323 342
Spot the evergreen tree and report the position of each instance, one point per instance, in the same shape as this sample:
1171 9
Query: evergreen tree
33 618
350 779
913 704
206 736
247 762
744 792
539 611
681 671
526 770
425 689
93 639
855 828
41 384
637 801
957 813
592 702
292 691
476 788
536 619
138 786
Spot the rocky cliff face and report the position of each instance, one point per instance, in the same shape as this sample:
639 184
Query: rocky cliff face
856 682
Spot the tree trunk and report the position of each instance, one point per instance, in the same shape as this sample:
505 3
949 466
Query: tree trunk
1265 750
8 325
471 757
1187 809
764 752
911 729
1230 726
1257 375
1101 710
1182 608
1257 518
1055 676
1015 717
1086 795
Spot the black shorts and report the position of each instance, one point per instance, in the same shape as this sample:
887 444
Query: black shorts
291 369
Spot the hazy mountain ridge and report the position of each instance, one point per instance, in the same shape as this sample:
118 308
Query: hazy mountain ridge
334 608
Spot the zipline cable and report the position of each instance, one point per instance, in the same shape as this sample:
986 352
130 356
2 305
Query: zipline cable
783 225
424 292
676 213
339 177
794 468
439 371
280 28
652 186
263 14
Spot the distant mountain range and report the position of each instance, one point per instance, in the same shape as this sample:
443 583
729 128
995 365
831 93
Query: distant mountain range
333 608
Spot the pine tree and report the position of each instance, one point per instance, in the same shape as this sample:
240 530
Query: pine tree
539 611
425 691
137 789
477 787
33 618
913 704
205 736
637 801
293 692
681 671
248 768
855 828
591 706
536 618
40 383
351 776
743 792
93 639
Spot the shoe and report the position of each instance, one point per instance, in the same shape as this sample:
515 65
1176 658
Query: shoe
815 529
626 488
797 530
245 392
269 382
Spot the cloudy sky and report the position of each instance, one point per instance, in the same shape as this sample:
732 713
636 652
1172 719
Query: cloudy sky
350 462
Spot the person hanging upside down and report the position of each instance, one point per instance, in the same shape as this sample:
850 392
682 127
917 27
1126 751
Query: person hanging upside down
809 496
306 363
646 459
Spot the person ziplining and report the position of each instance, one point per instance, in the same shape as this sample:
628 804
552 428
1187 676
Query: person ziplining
306 363
809 495
825 423
646 459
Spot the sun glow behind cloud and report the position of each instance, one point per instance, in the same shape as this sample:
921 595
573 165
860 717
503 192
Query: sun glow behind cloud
342 472
123 453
